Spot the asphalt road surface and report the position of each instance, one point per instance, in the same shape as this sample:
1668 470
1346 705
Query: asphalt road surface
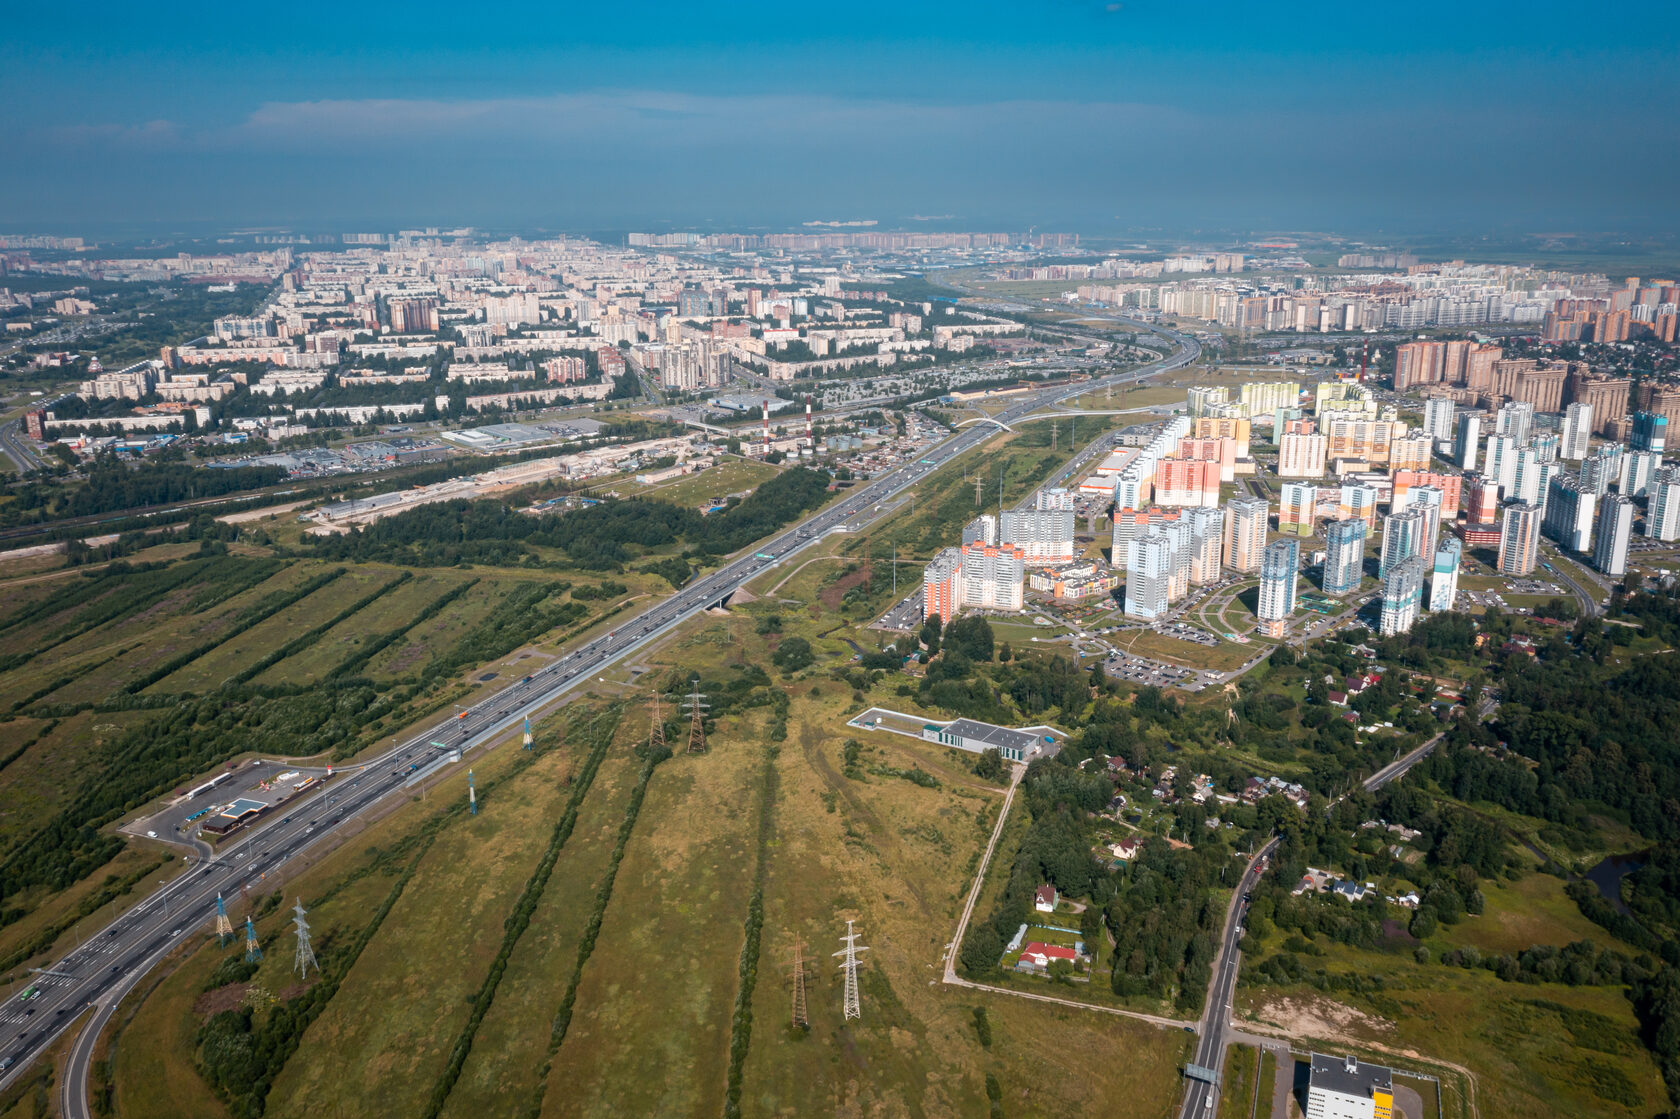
106 967
1200 1097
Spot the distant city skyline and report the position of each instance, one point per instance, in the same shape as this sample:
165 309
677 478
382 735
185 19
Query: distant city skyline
1084 116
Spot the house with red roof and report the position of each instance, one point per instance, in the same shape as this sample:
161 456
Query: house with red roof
1037 956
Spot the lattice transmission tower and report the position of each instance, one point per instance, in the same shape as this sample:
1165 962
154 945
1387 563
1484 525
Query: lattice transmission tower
801 1020
656 723
696 706
224 928
849 965
305 952
253 951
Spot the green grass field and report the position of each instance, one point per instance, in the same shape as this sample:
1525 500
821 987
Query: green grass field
1236 1090
1222 658
1267 1075
1543 1049
650 1031
730 475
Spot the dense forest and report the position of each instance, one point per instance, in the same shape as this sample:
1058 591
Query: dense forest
600 537
115 484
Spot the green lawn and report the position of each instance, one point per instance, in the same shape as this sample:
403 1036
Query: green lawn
1236 1090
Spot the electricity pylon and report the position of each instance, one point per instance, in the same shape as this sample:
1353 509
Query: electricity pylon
253 951
527 732
849 966
472 795
305 953
696 705
224 929
801 1020
656 724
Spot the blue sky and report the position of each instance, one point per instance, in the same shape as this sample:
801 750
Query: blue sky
1416 117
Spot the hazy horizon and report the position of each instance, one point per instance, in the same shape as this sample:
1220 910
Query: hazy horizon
1087 116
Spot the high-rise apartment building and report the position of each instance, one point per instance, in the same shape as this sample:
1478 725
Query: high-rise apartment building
1203 398
1607 395
1411 452
1602 468
992 577
1569 513
1054 497
1443 581
1220 451
1279 571
1404 536
1207 543
1450 485
1179 535
1481 499
1531 476
1224 427
1650 432
981 530
1359 499
1262 398
941 591
1418 363
1467 442
980 575
1432 500
1515 419
1450 363
1344 555
1636 470
1662 514
1043 535
1615 531
1297 502
1501 465
1302 454
1149 568
1363 440
1519 539
1187 481
1245 533
1402 596
1438 417
1577 432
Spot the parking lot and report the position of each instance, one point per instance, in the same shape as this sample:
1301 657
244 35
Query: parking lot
256 784
1147 673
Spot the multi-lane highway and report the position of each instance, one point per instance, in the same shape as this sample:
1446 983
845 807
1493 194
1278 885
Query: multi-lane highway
104 968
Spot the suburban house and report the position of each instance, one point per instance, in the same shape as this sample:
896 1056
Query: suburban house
1038 957
1044 899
